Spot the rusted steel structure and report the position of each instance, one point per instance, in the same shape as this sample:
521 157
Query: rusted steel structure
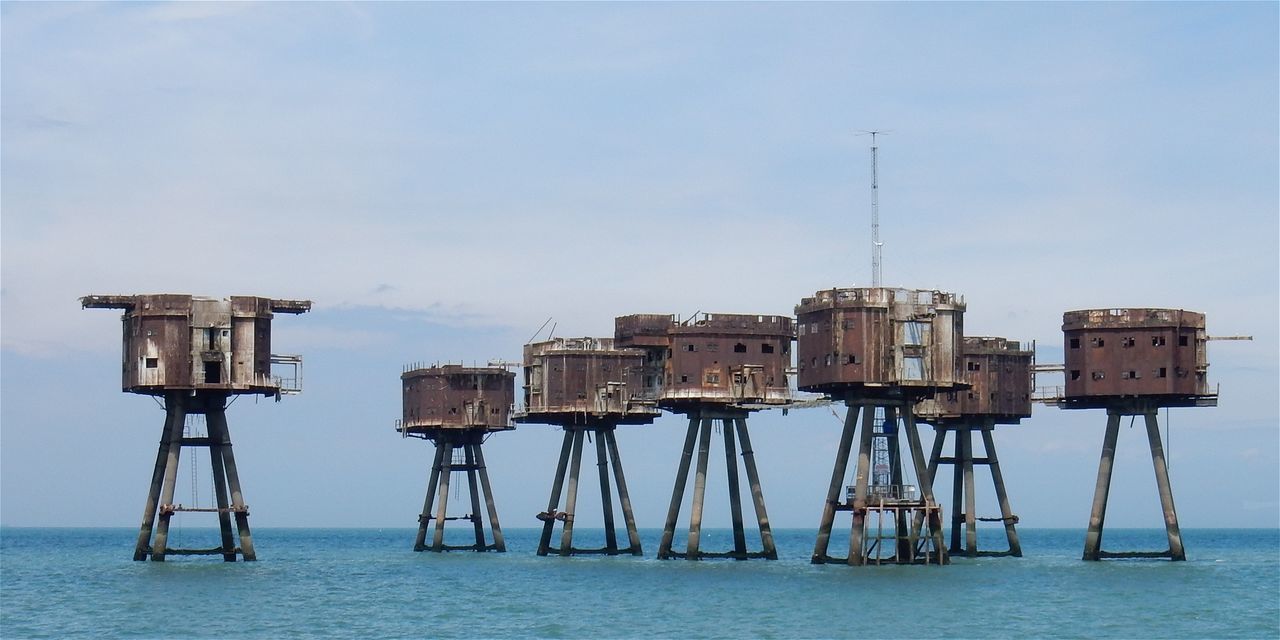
586 386
881 351
713 368
998 372
1132 362
196 353
456 407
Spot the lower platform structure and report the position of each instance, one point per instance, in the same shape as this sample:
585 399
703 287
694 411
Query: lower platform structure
962 493
571 463
458 451
898 502
226 482
700 425
1093 538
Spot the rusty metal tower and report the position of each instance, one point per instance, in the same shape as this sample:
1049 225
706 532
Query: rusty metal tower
998 372
714 368
880 349
457 407
196 353
1132 362
587 388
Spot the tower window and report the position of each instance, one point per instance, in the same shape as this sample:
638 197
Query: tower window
152 363
766 348
739 348
1075 343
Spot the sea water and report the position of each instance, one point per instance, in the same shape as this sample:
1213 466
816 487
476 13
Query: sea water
309 583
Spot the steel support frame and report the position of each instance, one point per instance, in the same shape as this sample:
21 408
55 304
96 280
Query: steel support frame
907 549
733 423
963 489
157 514
569 465
477 476
1097 516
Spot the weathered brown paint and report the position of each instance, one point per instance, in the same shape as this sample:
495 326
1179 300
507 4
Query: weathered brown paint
1151 353
457 397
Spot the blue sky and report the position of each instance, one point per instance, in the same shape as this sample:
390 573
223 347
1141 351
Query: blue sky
442 178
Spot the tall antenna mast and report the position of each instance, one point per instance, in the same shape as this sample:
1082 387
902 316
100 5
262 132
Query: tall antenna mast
875 212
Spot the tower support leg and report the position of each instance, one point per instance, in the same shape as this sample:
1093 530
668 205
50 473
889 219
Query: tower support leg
1010 524
970 501
442 499
699 490
624 498
557 485
424 518
606 500
216 458
173 453
1176 551
174 418
571 499
903 548
922 471
837 484
735 497
957 492
1097 515
477 518
499 542
677 493
857 552
769 549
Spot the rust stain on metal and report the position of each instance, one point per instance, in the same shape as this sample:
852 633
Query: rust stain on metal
1157 354
711 359
571 381
998 374
456 397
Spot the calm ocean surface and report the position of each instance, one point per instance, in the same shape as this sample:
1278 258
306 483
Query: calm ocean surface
59 583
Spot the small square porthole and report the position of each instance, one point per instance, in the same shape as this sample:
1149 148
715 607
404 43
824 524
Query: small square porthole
766 348
713 346
1075 343
1098 375
1157 341
690 347
1126 342
152 363
970 395
1075 374
712 378
1182 341
974 366
827 361
684 378
739 348
1162 372
851 359
1099 342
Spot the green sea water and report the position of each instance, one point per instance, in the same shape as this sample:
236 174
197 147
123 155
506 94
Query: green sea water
314 583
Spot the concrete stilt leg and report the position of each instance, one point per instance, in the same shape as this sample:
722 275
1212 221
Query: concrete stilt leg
220 492
770 550
174 412
424 518
624 497
557 485
442 499
1098 513
174 450
922 471
241 512
837 484
606 500
1010 528
677 493
735 497
970 502
699 490
477 519
1176 550
499 542
862 473
571 499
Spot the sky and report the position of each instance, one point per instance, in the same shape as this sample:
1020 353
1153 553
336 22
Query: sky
440 179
